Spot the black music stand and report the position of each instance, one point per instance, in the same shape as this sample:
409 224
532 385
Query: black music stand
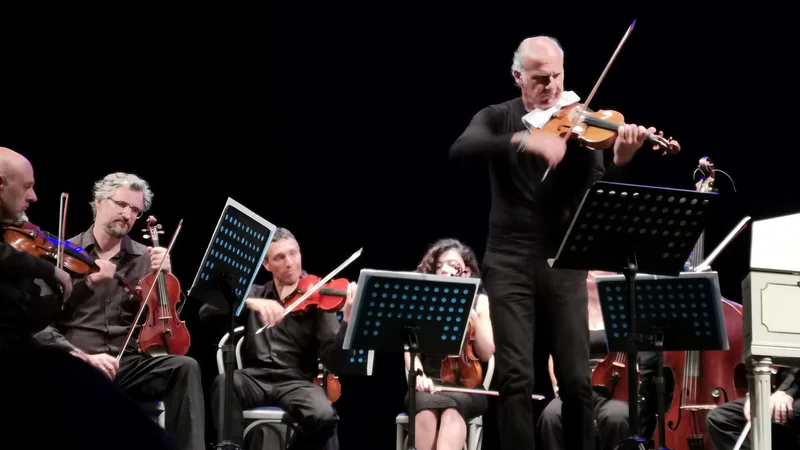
226 274
630 229
411 312
682 313
358 361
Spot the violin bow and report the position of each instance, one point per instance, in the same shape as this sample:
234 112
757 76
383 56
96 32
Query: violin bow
144 301
62 225
327 278
585 105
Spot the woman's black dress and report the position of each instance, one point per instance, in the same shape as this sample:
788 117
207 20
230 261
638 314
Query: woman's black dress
468 405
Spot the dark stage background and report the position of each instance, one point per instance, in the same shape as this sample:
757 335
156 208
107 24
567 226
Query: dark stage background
336 121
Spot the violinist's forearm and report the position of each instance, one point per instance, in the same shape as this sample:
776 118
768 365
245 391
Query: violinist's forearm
407 357
480 139
15 264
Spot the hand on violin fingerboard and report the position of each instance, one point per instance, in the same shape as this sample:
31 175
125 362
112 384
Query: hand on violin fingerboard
348 304
630 138
157 255
270 311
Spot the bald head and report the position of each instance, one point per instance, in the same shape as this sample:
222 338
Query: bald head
536 48
16 185
538 70
11 163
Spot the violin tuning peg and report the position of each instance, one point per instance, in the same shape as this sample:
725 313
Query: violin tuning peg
146 236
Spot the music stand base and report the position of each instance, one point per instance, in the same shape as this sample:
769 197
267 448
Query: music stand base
228 445
632 443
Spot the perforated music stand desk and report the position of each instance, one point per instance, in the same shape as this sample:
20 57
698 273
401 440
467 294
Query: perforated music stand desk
357 361
630 228
226 274
411 312
685 311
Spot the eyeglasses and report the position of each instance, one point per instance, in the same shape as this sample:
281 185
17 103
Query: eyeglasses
125 207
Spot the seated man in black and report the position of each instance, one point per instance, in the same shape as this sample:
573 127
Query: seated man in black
726 422
281 363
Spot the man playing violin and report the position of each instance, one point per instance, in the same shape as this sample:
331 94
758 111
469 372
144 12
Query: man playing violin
281 363
98 317
727 421
45 385
441 417
18 270
528 220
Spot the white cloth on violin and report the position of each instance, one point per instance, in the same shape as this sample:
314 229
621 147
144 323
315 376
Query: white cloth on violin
539 117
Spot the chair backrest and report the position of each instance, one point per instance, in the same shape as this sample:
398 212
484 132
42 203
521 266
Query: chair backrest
222 342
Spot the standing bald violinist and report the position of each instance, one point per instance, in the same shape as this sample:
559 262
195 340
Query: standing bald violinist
527 222
97 320
80 407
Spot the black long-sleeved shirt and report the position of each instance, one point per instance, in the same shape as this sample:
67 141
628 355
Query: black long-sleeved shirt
98 320
524 208
20 308
291 349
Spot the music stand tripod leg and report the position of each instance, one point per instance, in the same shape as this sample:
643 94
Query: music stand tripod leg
229 355
660 391
634 442
412 344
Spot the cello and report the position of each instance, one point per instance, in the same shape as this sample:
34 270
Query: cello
704 380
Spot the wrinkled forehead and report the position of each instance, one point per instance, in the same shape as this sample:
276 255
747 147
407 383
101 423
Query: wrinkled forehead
129 196
543 63
282 247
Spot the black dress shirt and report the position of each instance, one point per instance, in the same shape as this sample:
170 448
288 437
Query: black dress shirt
292 348
98 320
789 381
20 303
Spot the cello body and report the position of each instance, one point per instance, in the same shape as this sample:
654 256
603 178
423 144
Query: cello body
703 381
611 376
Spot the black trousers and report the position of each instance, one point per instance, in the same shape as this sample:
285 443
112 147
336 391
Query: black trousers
174 380
726 423
529 299
306 403
611 417
55 400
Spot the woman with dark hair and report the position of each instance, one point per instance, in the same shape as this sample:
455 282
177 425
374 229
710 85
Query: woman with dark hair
441 417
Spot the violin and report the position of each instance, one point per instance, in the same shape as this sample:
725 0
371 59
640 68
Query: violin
330 383
29 238
163 333
704 380
330 296
463 369
597 130
326 294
